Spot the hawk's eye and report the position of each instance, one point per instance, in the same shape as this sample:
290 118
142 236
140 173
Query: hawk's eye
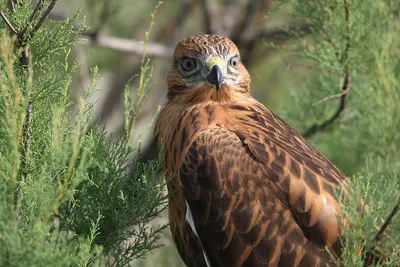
188 64
234 62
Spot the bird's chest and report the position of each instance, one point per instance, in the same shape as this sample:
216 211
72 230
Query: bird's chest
180 136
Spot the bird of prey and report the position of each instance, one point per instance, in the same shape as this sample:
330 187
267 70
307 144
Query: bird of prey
248 190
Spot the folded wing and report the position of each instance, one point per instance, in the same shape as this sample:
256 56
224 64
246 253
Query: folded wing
257 201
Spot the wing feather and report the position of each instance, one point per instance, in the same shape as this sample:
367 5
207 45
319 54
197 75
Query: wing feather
249 212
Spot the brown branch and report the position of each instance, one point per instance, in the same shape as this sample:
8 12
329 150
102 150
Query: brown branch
9 25
11 5
120 44
320 127
129 46
331 97
43 18
24 59
369 255
387 221
25 62
27 138
38 7
346 83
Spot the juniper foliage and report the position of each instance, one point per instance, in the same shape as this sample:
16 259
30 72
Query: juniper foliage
70 195
353 53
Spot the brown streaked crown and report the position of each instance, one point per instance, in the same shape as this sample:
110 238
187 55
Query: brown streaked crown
203 45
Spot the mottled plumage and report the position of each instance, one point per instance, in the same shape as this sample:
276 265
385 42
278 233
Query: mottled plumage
259 194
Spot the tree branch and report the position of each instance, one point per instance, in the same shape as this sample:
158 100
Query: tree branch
11 5
346 83
24 60
38 7
320 127
330 97
369 255
9 25
43 18
27 138
120 44
129 46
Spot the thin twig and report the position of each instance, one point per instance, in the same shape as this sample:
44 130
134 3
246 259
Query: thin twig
27 138
346 83
331 97
10 26
38 7
369 255
11 5
320 127
387 221
43 18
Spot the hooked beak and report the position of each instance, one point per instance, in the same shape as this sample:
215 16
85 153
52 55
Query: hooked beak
215 76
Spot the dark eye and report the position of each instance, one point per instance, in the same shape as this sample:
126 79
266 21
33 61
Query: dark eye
234 62
188 64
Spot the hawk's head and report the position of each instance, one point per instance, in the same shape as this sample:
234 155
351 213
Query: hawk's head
207 66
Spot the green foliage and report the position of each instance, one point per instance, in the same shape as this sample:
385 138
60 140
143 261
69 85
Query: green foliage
69 195
125 195
364 140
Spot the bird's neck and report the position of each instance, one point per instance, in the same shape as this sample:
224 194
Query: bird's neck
193 96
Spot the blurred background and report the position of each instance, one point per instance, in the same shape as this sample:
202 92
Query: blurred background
113 42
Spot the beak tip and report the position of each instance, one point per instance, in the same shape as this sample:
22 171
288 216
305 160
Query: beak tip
215 76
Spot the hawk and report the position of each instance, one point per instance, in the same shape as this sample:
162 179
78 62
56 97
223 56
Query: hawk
248 190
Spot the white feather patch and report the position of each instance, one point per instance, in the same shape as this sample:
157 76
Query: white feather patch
189 219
